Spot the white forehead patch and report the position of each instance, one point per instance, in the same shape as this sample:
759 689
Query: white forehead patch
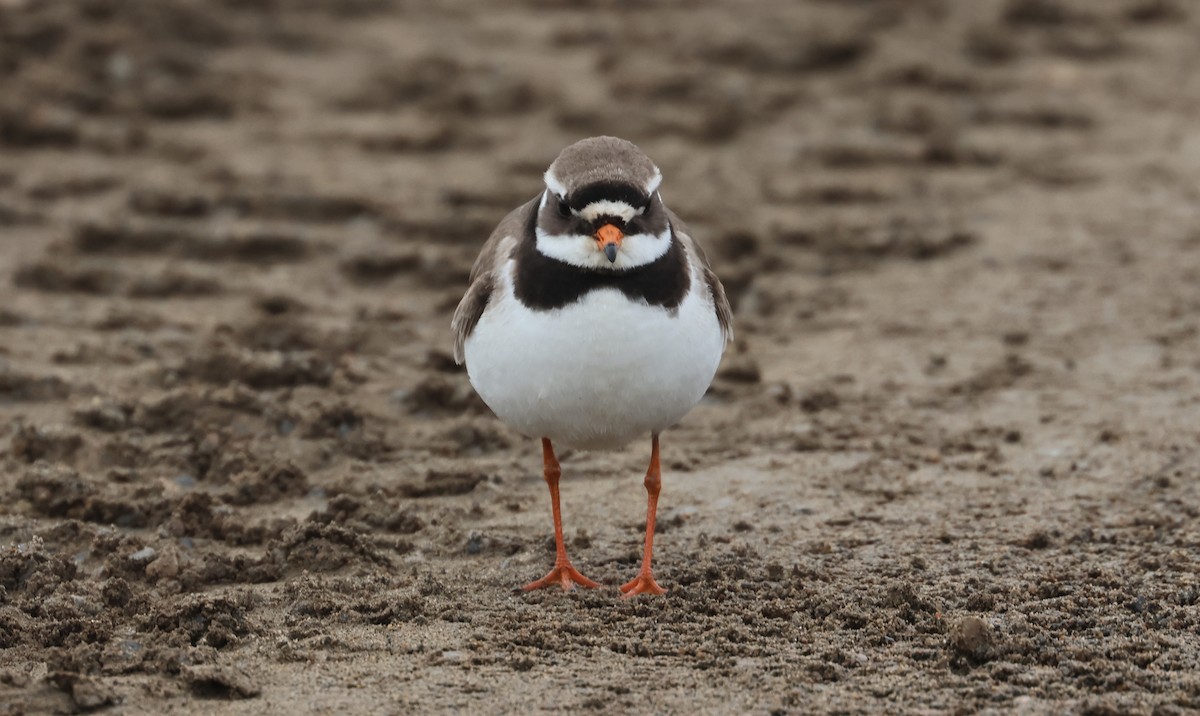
604 207
554 185
654 182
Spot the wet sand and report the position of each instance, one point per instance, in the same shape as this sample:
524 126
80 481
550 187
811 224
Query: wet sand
950 465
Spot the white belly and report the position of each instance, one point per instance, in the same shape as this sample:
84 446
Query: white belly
598 373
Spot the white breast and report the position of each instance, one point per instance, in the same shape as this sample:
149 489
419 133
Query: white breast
597 373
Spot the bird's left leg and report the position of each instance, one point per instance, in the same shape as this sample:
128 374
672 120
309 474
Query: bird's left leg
644 583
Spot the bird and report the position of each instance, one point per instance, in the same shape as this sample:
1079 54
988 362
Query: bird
592 318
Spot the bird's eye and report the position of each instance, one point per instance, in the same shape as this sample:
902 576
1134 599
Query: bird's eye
564 209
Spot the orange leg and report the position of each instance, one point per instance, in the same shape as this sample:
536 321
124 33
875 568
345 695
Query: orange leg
644 583
562 573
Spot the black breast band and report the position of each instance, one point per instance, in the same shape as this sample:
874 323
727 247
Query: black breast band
544 283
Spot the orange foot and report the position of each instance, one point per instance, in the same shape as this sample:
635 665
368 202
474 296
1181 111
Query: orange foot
642 584
563 574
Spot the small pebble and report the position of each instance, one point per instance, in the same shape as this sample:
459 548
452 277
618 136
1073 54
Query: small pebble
972 638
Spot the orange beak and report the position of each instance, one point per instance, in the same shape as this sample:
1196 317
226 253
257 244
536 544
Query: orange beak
608 239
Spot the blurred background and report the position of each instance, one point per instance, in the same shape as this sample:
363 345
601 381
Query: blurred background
962 241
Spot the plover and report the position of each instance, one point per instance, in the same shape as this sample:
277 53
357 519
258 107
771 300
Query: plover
593 318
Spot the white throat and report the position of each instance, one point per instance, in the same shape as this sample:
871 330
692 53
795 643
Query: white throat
577 250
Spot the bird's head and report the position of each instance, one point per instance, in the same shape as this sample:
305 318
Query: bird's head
601 209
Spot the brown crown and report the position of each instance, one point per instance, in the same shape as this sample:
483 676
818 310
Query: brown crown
602 160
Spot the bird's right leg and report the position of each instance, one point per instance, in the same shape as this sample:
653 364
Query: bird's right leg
562 573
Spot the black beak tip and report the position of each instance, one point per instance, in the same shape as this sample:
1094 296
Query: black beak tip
611 252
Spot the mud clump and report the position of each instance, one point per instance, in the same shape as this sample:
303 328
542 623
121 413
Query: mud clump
212 681
372 269
224 365
22 387
59 278
55 491
214 621
199 514
375 512
324 548
268 483
52 443
441 395
438 484
28 570
257 246
334 421
197 410
87 694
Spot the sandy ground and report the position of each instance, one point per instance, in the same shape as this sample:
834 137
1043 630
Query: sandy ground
950 465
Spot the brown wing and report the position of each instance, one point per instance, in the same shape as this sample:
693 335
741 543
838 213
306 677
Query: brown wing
470 310
719 299
483 277
721 303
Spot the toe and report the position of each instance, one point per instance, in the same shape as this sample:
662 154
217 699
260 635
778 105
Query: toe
582 580
565 576
643 584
